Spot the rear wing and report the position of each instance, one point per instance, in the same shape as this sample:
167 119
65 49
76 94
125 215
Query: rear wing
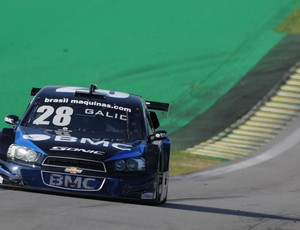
158 106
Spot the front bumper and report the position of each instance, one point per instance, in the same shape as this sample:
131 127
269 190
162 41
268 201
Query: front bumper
90 184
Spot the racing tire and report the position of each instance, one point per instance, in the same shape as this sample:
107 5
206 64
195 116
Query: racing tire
159 189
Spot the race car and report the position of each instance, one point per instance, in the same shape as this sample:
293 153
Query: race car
87 142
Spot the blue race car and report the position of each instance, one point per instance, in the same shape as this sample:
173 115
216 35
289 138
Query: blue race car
87 141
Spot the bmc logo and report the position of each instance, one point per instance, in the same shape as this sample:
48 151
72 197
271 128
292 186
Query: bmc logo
71 182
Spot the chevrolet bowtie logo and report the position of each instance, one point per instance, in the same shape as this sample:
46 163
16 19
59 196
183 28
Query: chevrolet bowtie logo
73 170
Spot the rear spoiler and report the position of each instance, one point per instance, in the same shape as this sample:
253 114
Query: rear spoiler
158 106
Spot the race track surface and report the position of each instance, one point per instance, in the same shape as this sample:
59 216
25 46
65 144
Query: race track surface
261 192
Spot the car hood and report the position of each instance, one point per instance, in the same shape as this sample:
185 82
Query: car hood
83 145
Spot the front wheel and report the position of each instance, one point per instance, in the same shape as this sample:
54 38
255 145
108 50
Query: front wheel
161 189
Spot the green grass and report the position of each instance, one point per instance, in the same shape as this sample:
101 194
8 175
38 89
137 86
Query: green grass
188 55
291 24
183 162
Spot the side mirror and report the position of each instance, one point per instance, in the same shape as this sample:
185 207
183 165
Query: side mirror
158 136
154 119
12 119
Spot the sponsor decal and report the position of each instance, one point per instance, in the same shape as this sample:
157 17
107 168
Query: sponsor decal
63 132
94 142
83 140
86 103
72 182
70 149
36 137
148 195
57 100
108 114
73 170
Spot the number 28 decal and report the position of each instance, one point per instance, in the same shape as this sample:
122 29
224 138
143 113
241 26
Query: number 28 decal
62 115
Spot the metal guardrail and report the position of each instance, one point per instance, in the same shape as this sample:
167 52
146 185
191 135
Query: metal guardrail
260 125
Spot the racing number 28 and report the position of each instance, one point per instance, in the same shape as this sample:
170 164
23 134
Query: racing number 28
62 115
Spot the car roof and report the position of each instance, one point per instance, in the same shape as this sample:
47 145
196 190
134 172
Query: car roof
81 93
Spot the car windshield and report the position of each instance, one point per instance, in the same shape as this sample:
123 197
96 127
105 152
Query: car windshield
99 119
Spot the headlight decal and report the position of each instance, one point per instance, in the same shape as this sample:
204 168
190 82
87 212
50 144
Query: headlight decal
130 165
22 153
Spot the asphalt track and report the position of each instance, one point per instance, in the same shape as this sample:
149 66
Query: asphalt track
261 192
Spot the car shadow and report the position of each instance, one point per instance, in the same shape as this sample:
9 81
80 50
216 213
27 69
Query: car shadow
231 212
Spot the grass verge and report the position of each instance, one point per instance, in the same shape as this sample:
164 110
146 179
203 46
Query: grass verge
291 24
182 162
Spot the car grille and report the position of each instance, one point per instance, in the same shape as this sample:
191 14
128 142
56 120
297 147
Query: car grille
75 162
